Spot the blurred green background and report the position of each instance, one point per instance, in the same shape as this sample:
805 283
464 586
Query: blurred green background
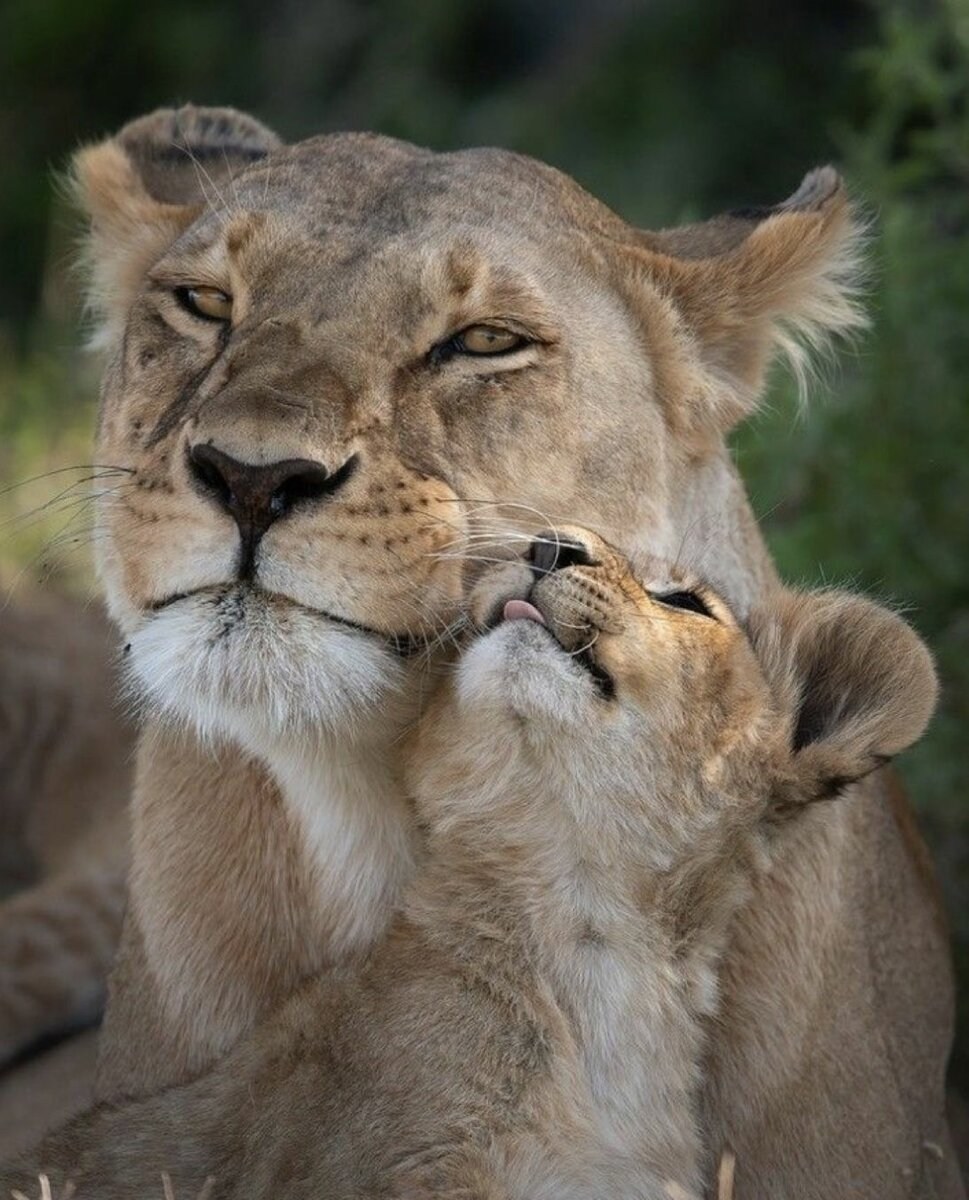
668 110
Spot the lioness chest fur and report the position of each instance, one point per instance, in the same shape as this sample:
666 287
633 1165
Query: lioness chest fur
610 766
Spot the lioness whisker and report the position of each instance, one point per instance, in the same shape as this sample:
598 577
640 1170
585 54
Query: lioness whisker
547 522
440 629
30 521
60 503
470 558
434 518
100 469
448 634
496 535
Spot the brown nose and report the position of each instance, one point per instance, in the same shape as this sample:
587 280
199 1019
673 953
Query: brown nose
257 495
550 552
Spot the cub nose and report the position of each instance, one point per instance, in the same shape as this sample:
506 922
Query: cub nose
256 495
552 552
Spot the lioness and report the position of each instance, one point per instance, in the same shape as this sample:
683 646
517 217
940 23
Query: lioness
335 371
613 761
65 777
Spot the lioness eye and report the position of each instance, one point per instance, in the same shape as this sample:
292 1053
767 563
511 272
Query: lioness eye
690 601
209 303
487 339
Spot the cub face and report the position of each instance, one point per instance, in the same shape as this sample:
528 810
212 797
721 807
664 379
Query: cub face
640 688
575 642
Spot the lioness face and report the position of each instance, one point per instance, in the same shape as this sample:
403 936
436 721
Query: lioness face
341 371
400 364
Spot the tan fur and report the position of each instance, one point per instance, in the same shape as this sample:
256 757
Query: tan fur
64 778
534 1024
348 258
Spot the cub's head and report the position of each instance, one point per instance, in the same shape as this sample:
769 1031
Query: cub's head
335 367
640 692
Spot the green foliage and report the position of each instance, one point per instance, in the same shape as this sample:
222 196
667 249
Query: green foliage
872 486
46 416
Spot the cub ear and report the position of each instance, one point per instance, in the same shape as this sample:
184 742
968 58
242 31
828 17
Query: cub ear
750 284
857 682
141 188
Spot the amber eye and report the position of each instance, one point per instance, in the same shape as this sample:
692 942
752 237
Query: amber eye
487 339
478 341
209 303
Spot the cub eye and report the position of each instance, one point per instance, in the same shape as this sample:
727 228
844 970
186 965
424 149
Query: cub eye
208 303
487 339
690 601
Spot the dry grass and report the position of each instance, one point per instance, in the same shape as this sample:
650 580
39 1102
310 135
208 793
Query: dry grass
728 1165
168 1189
725 1177
45 1191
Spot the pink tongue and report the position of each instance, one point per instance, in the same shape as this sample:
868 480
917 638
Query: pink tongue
521 610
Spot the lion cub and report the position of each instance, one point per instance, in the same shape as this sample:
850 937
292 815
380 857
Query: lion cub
603 773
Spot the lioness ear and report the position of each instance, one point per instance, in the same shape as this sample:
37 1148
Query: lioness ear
143 187
856 681
752 283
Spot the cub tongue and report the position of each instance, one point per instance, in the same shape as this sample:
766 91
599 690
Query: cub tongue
521 610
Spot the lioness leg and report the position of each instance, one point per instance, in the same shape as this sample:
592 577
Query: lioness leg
57 943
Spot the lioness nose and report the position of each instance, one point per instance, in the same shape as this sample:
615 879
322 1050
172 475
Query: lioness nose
550 552
256 495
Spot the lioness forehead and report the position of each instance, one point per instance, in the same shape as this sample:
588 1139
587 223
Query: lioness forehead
350 227
364 181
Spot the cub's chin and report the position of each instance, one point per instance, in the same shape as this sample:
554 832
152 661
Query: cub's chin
518 668
260 668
